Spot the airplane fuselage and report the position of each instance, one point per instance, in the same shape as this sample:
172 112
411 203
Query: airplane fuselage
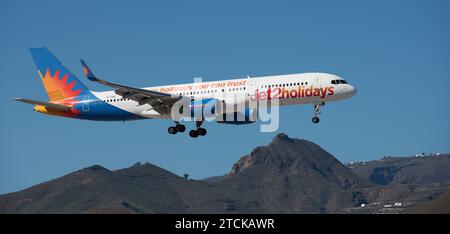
293 89
236 101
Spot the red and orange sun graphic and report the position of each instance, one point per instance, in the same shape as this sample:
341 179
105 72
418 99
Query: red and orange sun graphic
59 91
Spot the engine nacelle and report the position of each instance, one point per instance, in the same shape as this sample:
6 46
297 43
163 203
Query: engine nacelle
202 109
213 109
246 116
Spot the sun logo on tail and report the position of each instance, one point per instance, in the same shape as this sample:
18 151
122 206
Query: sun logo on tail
57 88
60 91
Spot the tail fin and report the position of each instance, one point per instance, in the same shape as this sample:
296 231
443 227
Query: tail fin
58 81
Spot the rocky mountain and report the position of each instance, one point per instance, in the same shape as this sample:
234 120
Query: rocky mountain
405 170
291 175
286 176
405 183
90 190
440 205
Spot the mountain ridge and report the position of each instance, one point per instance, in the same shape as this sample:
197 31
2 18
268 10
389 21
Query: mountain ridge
286 176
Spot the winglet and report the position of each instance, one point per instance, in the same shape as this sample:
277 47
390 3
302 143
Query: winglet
88 71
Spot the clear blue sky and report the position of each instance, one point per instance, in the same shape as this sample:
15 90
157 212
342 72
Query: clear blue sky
397 53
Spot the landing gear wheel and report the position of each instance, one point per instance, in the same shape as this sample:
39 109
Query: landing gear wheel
172 130
180 128
193 134
201 131
315 119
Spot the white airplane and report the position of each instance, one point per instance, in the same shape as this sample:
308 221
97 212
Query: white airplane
68 97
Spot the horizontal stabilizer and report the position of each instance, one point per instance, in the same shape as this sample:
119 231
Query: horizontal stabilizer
46 104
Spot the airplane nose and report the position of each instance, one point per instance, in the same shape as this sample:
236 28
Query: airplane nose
353 91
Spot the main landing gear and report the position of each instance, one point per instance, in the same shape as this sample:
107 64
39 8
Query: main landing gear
177 128
316 119
181 128
199 132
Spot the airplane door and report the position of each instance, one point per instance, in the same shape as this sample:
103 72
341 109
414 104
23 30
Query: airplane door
86 104
317 82
251 88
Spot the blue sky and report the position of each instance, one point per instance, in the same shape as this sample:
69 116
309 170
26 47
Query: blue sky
397 53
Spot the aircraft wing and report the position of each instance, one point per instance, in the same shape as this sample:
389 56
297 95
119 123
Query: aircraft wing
46 104
160 102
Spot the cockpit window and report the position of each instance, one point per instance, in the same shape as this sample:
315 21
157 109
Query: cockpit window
338 82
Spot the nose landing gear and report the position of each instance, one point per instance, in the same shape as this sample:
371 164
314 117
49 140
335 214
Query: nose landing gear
317 111
315 119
